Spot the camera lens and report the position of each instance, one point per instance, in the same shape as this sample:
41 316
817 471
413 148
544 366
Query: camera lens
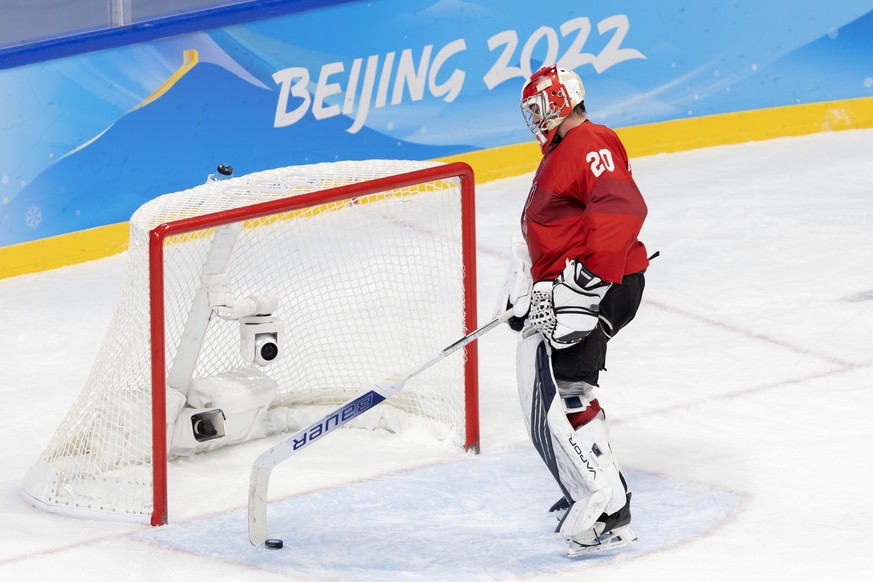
269 351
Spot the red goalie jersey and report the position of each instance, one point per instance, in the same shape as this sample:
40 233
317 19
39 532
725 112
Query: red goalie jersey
584 204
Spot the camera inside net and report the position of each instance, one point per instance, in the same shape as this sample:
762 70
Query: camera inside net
260 339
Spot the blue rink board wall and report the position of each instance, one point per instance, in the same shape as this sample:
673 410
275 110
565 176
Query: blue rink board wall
86 139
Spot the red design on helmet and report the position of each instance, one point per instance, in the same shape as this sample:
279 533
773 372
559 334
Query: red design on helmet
547 99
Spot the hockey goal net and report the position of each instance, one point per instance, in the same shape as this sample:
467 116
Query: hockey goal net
372 269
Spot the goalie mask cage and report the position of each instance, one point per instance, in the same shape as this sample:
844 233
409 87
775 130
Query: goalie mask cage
373 263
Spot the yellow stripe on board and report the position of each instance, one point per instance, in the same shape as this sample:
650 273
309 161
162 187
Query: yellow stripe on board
497 163
688 134
310 211
63 250
744 126
190 58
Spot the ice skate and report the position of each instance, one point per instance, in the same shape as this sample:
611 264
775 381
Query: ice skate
609 532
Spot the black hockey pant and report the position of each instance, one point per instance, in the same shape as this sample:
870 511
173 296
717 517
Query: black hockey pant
584 361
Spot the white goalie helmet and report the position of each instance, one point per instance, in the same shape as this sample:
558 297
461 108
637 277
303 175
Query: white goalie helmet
548 98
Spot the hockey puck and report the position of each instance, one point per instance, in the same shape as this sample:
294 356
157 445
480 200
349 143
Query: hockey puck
274 544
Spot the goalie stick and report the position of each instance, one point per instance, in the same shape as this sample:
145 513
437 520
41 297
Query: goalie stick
264 464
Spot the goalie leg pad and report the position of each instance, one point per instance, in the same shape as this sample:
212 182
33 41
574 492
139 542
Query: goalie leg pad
580 459
538 394
590 443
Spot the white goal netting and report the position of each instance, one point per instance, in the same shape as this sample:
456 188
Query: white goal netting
367 286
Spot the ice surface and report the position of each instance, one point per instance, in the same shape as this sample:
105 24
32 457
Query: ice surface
739 401
415 526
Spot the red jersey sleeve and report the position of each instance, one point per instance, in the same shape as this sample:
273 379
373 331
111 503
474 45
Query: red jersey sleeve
614 209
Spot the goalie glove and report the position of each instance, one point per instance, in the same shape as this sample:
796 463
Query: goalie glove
566 310
517 285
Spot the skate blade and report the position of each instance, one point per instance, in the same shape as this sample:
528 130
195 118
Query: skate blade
621 536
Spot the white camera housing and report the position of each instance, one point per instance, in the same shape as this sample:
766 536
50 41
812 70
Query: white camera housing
260 339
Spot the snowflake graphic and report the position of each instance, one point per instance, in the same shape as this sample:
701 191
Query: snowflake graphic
33 216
